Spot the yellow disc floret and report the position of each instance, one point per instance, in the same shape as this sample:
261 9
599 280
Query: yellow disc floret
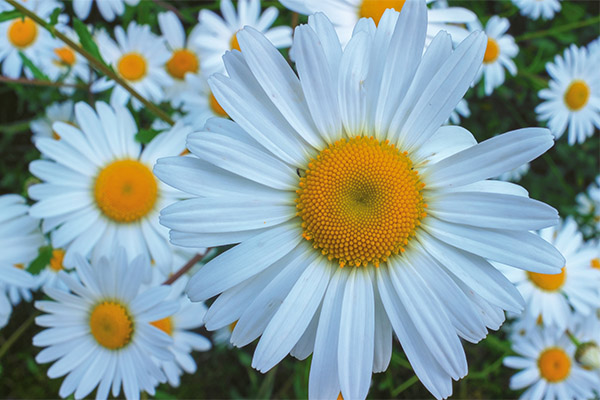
554 364
360 201
375 8
111 325
577 95
216 107
492 51
548 282
233 44
56 262
125 190
22 32
595 263
182 61
65 55
132 66
165 325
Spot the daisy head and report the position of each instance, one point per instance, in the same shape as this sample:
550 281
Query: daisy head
356 212
65 64
108 9
199 103
572 100
42 127
48 277
535 9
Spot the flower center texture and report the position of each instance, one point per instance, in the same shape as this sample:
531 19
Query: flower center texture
182 61
111 325
548 282
360 201
65 55
216 107
554 365
375 8
22 32
132 66
125 190
577 95
56 262
492 51
165 325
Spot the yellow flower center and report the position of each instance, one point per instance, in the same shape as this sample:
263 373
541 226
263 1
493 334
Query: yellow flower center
22 32
182 61
360 201
65 55
132 66
111 325
56 262
232 325
125 190
595 263
554 364
375 8
577 95
548 282
216 107
19 266
165 325
492 51
233 44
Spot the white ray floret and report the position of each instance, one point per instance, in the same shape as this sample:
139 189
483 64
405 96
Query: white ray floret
535 9
109 9
42 127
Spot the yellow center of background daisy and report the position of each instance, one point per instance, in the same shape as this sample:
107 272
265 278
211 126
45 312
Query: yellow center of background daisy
492 51
182 61
125 190
554 365
22 32
375 8
56 262
111 325
233 44
595 263
577 95
548 282
65 55
216 107
132 66
165 325
360 201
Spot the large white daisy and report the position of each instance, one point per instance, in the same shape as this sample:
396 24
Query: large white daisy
535 9
357 212
572 100
109 9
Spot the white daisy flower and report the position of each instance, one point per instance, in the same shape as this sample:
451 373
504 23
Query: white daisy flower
515 174
199 103
42 127
344 14
48 277
109 9
501 49
98 190
217 34
100 335
586 329
588 204
551 296
138 56
535 9
461 110
548 367
24 35
66 64
573 98
20 239
412 219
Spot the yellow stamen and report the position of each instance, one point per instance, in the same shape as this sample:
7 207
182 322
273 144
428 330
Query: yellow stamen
375 8
22 32
577 95
132 66
111 325
492 51
548 282
595 263
165 325
554 365
233 44
182 61
65 55
56 262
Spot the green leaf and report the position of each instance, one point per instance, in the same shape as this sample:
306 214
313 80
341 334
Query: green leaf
37 73
12 14
86 40
145 136
40 262
54 16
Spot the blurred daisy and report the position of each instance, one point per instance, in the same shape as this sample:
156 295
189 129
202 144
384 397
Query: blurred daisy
100 335
66 65
24 35
48 277
461 110
548 367
344 14
516 174
588 205
414 201
535 9
217 34
108 8
98 190
586 329
500 51
552 296
42 127
138 57
199 104
573 98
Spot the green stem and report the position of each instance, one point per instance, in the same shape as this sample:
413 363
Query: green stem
556 172
37 82
94 62
563 28
573 339
16 127
407 383
17 334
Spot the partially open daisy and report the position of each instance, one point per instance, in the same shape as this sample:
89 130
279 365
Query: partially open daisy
138 56
572 100
217 34
535 9
42 127
101 335
199 103
109 9
357 213
99 191
65 64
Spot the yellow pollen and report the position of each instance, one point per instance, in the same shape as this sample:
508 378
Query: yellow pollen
125 190
595 263
360 201
65 55
216 107
111 325
548 282
165 325
22 32
19 266
375 8
233 44
182 61
554 364
577 95
492 51
56 262
132 66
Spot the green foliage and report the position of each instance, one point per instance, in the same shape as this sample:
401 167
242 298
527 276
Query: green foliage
145 136
8 15
86 40
40 262
37 73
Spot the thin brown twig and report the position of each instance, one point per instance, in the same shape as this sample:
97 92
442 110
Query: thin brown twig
186 267
37 82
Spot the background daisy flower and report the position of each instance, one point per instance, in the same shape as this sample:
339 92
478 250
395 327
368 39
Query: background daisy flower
588 205
535 9
109 9
199 103
42 127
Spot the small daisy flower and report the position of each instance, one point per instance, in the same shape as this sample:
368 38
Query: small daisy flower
199 103
586 329
24 35
100 335
572 100
335 256
501 49
138 56
588 204
42 127
535 9
109 9
217 34
98 190
546 358
516 174
461 110
66 64
48 277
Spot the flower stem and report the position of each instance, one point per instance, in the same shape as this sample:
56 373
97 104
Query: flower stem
573 339
186 267
17 334
37 82
563 28
93 61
